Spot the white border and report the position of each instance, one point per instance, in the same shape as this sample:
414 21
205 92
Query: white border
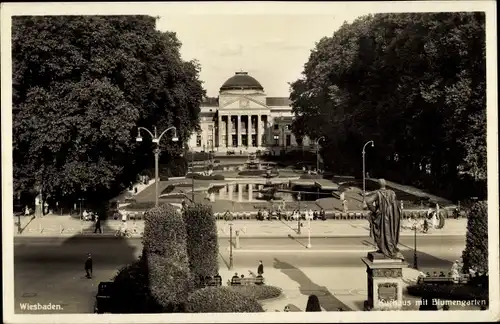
250 8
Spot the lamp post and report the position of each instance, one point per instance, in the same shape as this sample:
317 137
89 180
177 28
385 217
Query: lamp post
415 261
317 152
309 232
364 174
230 246
298 225
156 140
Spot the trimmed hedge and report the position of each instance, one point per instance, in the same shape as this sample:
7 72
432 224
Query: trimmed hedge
449 292
311 176
257 173
164 244
168 189
130 293
475 254
141 205
202 243
258 292
221 300
198 176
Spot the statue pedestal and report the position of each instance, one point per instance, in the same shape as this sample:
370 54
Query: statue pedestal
385 282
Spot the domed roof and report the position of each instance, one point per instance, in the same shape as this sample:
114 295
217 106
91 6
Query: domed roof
241 81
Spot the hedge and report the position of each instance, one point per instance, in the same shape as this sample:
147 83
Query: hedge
198 176
311 176
476 245
258 292
168 189
449 292
202 243
141 205
130 293
164 244
257 173
221 300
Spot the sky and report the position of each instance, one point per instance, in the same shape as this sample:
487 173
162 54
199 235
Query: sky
272 48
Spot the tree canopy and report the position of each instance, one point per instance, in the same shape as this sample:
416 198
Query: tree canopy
81 87
415 83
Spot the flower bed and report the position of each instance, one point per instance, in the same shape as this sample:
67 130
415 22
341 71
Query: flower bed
197 176
449 292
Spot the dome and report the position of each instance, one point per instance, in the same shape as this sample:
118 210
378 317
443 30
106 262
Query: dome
241 81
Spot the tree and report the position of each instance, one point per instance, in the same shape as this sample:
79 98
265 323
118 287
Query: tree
81 86
202 243
412 82
165 248
475 254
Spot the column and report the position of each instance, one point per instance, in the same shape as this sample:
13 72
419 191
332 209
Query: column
230 194
249 131
238 131
250 192
222 192
219 130
226 127
258 131
259 187
240 192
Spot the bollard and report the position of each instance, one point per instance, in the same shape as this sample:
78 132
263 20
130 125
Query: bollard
237 234
60 229
40 228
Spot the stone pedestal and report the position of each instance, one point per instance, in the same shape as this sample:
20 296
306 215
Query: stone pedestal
385 282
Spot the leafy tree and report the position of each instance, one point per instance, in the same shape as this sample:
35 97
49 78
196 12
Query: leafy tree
81 86
202 243
415 84
475 254
165 248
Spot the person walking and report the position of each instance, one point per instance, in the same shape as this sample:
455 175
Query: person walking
313 304
88 266
97 224
260 268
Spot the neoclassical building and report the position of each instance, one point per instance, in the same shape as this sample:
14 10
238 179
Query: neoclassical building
243 119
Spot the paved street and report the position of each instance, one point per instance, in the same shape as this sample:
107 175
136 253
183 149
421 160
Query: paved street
51 269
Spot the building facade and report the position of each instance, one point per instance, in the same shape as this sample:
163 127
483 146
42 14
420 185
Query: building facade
242 119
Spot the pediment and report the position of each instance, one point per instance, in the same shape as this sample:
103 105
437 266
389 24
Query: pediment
242 102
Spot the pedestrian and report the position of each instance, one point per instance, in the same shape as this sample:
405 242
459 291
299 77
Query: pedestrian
88 266
124 220
426 226
260 268
26 211
97 224
322 214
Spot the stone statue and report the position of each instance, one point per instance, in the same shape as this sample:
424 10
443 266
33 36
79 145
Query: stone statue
385 219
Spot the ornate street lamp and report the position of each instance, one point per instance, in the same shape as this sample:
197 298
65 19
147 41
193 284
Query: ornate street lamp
156 140
364 174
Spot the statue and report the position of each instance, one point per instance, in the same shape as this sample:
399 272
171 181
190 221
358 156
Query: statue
385 219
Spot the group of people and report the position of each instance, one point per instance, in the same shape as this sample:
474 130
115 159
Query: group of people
259 279
308 214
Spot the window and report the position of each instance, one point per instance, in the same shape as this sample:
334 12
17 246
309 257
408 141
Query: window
210 129
276 126
198 140
288 140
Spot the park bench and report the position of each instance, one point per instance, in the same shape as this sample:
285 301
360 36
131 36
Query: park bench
247 281
213 282
103 302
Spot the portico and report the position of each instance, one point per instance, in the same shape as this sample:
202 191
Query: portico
243 119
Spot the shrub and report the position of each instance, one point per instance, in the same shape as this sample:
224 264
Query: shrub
168 189
131 292
142 205
221 300
258 292
164 244
202 243
475 254
311 176
449 292
197 176
252 173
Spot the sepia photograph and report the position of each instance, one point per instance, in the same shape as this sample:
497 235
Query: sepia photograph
236 161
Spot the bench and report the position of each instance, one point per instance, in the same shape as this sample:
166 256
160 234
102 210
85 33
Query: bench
247 281
213 282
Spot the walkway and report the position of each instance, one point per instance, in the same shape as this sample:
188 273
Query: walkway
68 226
